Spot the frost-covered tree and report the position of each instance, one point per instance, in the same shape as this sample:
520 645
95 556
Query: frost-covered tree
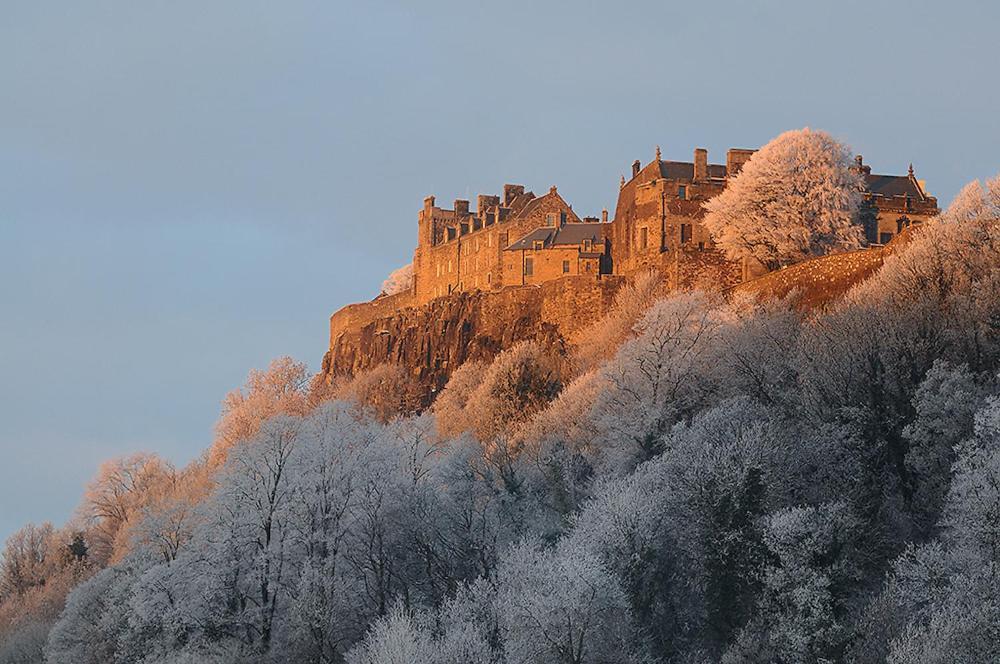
598 342
281 389
386 391
794 199
396 639
38 568
561 606
451 406
946 403
23 560
656 378
399 281
800 616
519 383
114 500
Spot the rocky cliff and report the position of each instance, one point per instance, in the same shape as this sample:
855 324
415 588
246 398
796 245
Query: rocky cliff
434 339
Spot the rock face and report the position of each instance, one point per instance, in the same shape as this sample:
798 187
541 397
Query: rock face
434 339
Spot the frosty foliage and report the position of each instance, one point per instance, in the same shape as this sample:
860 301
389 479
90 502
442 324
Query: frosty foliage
598 341
399 281
280 389
794 199
733 481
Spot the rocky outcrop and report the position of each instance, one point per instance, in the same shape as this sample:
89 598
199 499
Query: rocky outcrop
434 339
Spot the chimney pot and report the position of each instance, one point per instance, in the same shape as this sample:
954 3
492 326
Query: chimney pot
604 215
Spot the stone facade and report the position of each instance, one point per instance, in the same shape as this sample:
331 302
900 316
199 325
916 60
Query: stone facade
657 222
462 250
553 252
892 203
520 239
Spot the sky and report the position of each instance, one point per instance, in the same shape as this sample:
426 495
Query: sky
189 189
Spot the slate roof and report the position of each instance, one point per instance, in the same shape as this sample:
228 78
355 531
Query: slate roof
684 170
893 185
565 235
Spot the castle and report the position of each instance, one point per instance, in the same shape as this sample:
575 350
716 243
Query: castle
522 239
523 266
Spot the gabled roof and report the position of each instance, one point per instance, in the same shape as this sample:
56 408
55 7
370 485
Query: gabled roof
570 234
521 201
893 185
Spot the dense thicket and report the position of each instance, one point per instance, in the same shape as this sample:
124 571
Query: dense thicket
733 481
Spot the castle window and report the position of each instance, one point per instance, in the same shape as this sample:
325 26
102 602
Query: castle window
588 245
685 233
529 267
489 277
586 266
550 219
643 237
449 267
504 239
565 267
682 192
562 218
701 246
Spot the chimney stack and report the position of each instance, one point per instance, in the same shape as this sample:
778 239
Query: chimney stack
636 165
461 207
484 202
735 158
700 164
428 202
510 192
604 216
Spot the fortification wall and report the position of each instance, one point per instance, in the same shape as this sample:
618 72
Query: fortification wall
358 315
817 281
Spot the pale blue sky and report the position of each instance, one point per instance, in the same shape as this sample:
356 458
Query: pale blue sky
189 189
